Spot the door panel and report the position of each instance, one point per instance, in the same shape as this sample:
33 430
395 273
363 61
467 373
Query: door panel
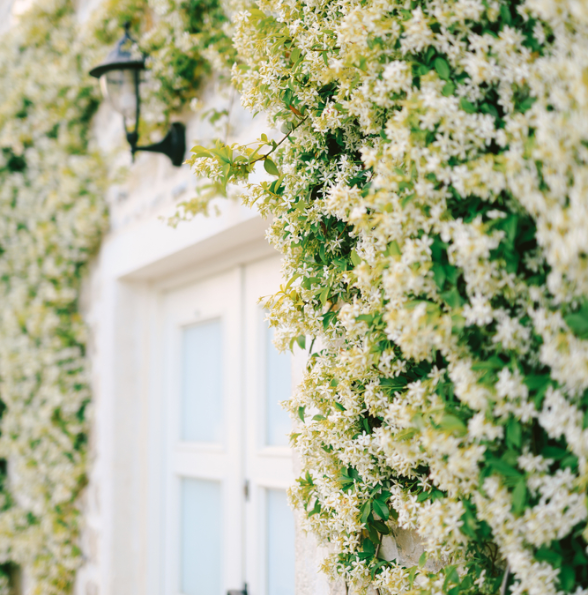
279 544
202 382
228 461
203 397
201 519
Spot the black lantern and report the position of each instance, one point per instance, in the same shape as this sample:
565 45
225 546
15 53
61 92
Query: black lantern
120 81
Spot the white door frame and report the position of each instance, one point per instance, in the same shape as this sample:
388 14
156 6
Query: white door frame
127 353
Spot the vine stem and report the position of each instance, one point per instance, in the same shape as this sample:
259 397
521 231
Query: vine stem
505 580
376 555
264 157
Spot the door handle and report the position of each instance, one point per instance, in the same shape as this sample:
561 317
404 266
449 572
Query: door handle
242 591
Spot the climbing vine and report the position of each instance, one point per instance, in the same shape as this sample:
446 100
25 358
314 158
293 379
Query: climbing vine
428 194
428 197
52 218
52 183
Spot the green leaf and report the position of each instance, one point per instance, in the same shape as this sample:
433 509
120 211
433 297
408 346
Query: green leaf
505 14
448 89
366 425
526 104
451 576
316 509
222 154
430 53
452 423
301 340
324 295
381 527
514 433
199 151
439 274
394 383
373 534
567 578
467 106
328 317
392 249
301 411
423 559
381 510
452 298
503 468
570 461
578 322
365 511
492 363
355 259
369 547
538 382
451 272
488 108
519 496
405 434
295 55
406 199
546 554
442 68
423 496
377 566
270 167
365 318
554 452
423 69
470 524
580 558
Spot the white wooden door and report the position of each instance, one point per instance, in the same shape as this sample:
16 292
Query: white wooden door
228 462
203 393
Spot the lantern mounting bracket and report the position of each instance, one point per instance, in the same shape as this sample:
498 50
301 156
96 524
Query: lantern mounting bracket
173 144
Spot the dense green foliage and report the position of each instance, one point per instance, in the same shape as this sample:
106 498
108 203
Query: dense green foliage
52 185
428 194
429 198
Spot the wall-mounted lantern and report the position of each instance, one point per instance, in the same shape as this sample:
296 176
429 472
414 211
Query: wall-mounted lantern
120 81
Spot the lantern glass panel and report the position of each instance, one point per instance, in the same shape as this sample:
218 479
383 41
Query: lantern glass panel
119 88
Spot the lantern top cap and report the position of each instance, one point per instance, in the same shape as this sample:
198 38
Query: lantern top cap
121 57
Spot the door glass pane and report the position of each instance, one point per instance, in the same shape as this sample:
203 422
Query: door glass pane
202 382
201 528
278 387
280 544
